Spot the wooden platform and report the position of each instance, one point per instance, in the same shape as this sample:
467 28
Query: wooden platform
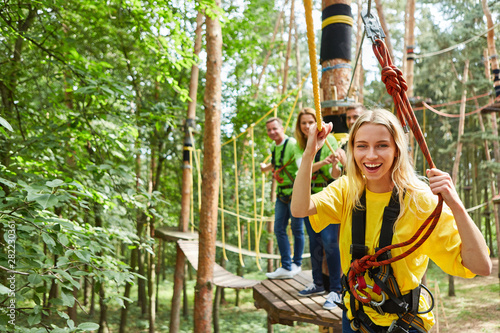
283 305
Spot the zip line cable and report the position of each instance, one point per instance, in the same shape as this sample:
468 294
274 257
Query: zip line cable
448 49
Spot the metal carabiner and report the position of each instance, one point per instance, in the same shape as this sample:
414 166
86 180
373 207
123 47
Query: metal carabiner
372 302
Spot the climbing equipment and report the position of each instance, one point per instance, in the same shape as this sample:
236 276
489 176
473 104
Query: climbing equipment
280 167
327 179
406 306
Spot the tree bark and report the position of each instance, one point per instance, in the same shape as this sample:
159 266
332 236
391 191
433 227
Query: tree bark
298 65
490 38
126 294
456 164
461 125
288 48
383 23
358 79
210 184
336 80
266 59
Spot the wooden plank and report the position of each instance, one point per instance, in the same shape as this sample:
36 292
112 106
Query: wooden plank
221 277
269 301
305 309
278 287
286 293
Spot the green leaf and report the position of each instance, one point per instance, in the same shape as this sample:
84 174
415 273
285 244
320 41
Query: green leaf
45 200
71 324
88 326
84 255
63 239
6 124
54 183
34 278
3 289
34 319
7 182
67 299
63 314
48 240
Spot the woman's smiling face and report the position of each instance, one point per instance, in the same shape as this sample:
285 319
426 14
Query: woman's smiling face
306 121
374 153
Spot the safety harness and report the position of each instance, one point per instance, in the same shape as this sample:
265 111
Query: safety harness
279 167
326 179
405 306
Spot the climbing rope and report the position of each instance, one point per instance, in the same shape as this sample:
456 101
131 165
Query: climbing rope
237 196
311 42
223 231
396 87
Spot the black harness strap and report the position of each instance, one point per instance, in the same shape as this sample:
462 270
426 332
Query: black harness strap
319 173
405 306
273 157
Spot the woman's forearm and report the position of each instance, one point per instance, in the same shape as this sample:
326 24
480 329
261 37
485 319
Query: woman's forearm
302 204
474 251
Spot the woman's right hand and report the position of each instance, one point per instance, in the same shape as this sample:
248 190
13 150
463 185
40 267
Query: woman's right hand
315 139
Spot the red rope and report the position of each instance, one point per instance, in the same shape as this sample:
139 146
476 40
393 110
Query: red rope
396 87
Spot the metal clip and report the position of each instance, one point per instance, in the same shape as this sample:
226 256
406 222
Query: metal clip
373 28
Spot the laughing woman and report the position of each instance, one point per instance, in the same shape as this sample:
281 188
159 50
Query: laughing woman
379 174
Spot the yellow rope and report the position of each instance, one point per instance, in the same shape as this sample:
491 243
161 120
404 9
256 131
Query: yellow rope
237 201
338 19
263 192
311 42
252 137
223 232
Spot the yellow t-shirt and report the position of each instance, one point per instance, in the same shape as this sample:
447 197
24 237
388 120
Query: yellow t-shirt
443 246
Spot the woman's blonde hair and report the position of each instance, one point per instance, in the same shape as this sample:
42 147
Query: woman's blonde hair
299 136
403 174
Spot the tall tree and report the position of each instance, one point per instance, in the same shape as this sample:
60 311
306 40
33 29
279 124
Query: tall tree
210 185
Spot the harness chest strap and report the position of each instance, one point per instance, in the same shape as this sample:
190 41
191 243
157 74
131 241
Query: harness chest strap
279 167
319 173
406 306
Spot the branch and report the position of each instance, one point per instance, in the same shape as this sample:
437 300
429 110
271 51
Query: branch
13 271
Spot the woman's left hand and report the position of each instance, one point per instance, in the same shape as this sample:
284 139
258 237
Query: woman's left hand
440 182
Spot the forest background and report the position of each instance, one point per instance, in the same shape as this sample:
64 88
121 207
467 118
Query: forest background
93 105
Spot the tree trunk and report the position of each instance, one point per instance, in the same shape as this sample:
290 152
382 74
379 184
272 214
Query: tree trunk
335 61
456 164
358 78
490 38
103 313
266 59
381 17
298 65
180 262
461 125
288 48
128 286
210 185
218 294
410 59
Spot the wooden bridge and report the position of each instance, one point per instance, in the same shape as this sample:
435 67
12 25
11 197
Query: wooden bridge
278 297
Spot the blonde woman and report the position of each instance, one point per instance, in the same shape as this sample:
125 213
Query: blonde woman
379 174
